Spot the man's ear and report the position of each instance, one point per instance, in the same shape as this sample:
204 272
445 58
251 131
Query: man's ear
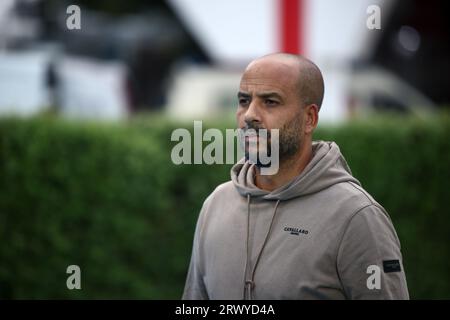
311 118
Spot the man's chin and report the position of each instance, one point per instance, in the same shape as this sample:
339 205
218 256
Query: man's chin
255 152
253 156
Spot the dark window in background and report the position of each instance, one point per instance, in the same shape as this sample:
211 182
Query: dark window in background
382 103
415 45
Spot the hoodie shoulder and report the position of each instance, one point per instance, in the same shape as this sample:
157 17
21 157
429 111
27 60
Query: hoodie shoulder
226 186
225 190
352 197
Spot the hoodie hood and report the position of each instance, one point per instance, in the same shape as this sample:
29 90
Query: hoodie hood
326 168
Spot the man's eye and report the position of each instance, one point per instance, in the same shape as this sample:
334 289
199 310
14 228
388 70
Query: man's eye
243 101
271 102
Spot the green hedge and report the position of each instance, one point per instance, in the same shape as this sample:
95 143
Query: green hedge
107 197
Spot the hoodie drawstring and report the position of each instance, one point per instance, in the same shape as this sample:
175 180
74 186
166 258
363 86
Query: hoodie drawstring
249 283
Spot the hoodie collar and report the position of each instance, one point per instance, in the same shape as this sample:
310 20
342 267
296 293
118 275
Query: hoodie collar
326 168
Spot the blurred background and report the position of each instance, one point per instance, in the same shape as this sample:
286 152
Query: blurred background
86 116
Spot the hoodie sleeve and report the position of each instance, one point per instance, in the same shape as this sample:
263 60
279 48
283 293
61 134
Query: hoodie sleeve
194 288
369 260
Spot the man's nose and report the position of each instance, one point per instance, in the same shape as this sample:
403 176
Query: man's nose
252 114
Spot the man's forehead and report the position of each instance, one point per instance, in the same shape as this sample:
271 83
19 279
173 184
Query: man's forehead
255 86
269 67
261 83
269 75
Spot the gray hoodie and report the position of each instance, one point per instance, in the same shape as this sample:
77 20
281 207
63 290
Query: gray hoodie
320 236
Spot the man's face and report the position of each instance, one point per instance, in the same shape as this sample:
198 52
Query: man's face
269 99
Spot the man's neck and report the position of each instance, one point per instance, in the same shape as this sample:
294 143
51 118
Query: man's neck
288 170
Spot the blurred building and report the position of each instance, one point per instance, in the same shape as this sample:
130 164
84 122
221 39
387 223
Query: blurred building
186 56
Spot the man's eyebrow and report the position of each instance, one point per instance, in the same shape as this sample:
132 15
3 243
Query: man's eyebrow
243 94
269 95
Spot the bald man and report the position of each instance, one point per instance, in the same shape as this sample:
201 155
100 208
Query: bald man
310 231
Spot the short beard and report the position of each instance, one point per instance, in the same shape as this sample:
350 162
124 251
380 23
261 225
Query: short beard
290 141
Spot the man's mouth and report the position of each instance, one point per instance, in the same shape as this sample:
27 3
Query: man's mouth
257 133
255 138
251 138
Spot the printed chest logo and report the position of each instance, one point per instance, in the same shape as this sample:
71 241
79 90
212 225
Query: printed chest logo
295 231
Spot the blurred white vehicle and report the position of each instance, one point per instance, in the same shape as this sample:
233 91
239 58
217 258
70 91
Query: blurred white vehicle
23 88
197 92
80 87
92 89
375 90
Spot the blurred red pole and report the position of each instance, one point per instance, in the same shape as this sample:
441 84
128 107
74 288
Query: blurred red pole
291 27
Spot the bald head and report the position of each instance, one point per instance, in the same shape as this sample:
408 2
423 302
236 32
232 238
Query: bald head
309 82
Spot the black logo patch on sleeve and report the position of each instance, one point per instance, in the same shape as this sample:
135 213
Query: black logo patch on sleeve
391 266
